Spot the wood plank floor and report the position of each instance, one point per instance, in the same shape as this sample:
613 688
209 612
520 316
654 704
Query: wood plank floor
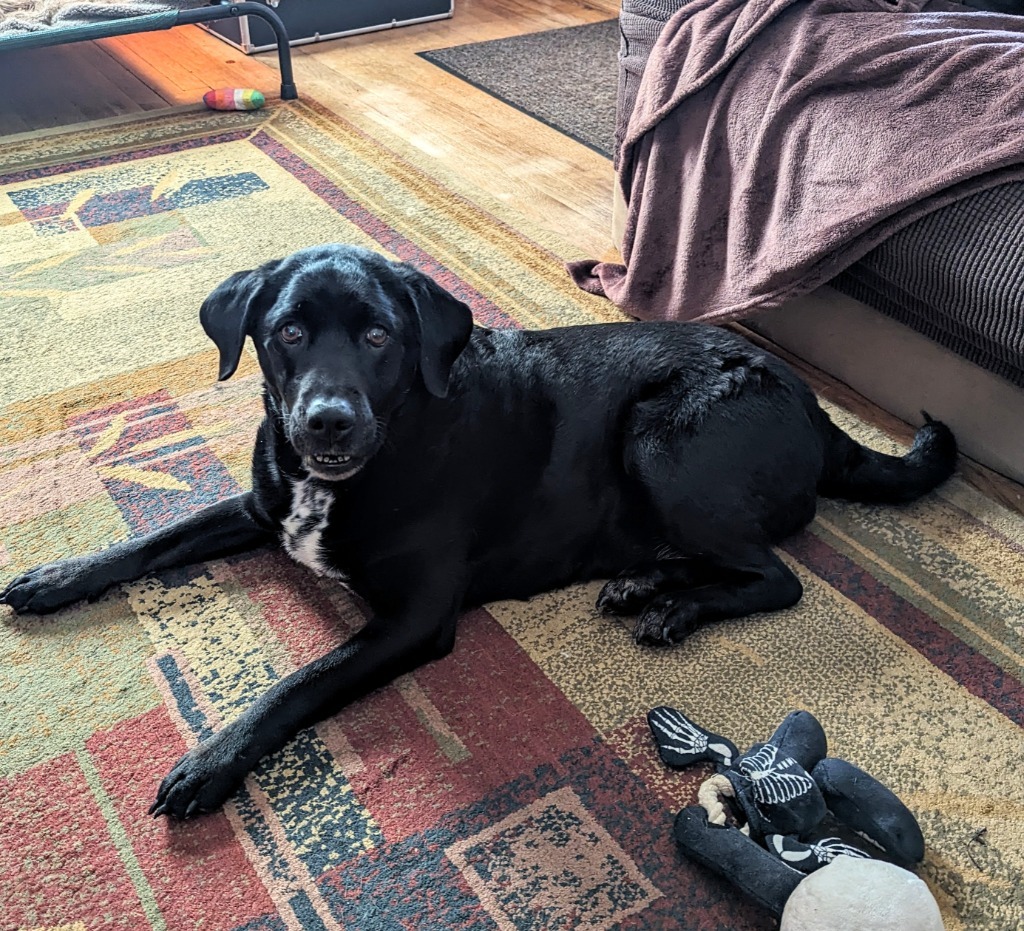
66 84
529 175
534 174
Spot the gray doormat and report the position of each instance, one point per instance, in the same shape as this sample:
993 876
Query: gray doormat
566 78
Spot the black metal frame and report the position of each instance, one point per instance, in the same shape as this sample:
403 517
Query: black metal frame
224 10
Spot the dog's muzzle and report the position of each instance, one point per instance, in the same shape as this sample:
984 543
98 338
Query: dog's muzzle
334 438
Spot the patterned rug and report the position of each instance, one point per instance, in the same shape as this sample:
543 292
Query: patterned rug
512 785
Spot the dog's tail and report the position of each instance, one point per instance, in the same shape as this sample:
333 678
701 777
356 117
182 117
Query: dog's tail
857 473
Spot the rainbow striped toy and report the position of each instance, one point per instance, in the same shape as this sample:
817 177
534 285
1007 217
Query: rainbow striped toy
234 98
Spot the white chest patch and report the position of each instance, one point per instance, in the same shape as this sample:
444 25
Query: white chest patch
302 529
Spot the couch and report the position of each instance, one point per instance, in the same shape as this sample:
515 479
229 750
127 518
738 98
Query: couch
933 318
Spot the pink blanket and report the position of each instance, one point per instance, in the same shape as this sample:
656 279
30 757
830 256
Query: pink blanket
775 142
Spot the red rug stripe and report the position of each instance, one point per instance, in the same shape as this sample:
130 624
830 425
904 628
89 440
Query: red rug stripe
198 872
57 859
495 700
293 605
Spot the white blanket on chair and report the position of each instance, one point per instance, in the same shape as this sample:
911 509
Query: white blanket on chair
35 15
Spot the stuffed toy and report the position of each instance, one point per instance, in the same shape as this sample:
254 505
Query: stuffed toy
234 98
814 839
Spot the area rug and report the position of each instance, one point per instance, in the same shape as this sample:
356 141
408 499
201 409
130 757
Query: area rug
565 77
512 785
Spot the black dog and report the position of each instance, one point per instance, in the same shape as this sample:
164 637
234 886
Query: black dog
433 467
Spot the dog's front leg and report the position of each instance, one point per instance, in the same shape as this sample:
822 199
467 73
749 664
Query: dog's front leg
206 776
218 530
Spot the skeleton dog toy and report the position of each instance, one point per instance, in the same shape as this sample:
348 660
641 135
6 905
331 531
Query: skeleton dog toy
783 810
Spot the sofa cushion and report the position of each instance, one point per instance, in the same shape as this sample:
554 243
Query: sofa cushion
957 276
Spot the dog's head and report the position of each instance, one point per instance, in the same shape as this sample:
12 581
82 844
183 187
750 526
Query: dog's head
342 335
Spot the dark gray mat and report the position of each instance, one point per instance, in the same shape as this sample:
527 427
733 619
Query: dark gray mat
566 78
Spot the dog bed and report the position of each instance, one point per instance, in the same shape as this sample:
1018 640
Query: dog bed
35 23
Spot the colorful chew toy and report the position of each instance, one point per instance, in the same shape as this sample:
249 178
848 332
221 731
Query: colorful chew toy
234 98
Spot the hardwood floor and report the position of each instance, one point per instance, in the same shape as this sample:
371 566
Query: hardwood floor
532 174
45 88
529 175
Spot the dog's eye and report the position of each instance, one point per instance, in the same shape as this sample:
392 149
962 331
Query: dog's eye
290 334
377 336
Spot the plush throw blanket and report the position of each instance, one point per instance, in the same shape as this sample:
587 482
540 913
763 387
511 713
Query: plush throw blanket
775 142
18 16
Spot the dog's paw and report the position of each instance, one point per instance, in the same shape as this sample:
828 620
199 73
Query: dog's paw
201 781
55 585
667 620
625 595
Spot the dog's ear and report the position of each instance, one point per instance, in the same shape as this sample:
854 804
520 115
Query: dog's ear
226 316
446 324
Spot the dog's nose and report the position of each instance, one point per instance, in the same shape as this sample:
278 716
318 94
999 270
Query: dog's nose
330 419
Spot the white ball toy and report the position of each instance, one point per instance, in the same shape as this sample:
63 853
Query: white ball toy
851 894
